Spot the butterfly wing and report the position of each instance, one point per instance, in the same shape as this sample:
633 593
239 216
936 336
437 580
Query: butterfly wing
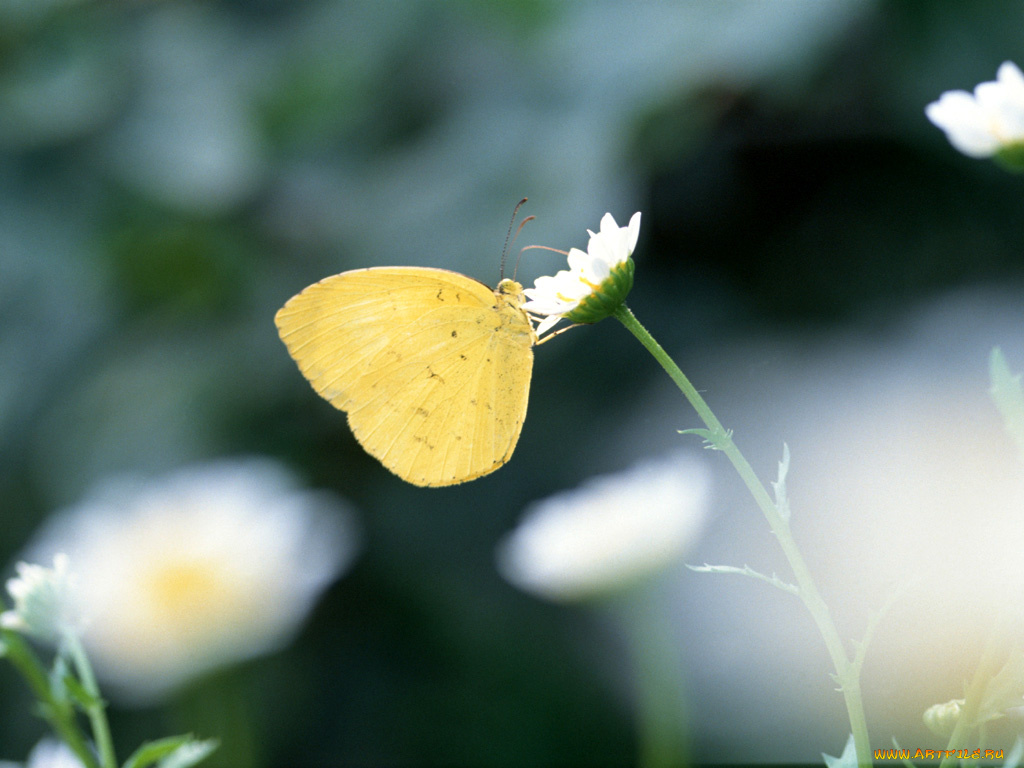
432 367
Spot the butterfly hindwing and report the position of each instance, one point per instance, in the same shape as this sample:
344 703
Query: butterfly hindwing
432 366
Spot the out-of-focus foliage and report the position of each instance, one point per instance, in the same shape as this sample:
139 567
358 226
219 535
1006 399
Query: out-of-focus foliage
171 172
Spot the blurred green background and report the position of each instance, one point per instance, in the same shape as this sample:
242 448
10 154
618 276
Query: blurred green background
172 172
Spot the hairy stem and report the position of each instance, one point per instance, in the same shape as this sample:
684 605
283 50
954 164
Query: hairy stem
847 673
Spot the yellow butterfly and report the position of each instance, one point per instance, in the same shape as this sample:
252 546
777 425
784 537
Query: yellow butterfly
432 367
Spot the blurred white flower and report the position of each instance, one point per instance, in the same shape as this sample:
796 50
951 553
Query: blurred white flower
595 283
48 754
45 604
206 566
988 121
610 532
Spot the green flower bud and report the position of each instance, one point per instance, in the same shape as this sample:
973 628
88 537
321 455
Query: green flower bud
941 718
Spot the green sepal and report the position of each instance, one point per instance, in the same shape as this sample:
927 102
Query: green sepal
1011 157
606 298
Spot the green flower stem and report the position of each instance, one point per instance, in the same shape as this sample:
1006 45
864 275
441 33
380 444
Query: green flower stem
223 704
847 671
57 713
96 710
662 734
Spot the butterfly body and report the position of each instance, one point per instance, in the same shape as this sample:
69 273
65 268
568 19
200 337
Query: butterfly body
432 367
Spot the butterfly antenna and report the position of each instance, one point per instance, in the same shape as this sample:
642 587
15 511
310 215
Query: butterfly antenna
520 256
504 251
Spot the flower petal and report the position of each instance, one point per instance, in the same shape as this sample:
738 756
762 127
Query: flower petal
989 120
547 323
634 232
610 532
206 566
604 270
965 123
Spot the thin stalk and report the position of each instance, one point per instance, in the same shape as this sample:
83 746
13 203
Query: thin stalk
847 673
57 713
223 704
662 735
96 711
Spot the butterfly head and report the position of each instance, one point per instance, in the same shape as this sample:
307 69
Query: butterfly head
511 291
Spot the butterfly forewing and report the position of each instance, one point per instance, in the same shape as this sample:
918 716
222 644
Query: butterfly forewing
432 367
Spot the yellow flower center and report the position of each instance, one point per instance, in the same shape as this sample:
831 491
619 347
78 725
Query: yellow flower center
582 279
186 588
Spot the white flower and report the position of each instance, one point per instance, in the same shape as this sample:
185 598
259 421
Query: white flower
206 566
990 120
598 271
608 533
45 601
48 754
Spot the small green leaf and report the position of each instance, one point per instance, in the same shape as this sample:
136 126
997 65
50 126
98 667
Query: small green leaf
171 752
79 694
1009 398
151 751
189 754
59 674
905 760
779 486
713 439
46 711
846 760
746 570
